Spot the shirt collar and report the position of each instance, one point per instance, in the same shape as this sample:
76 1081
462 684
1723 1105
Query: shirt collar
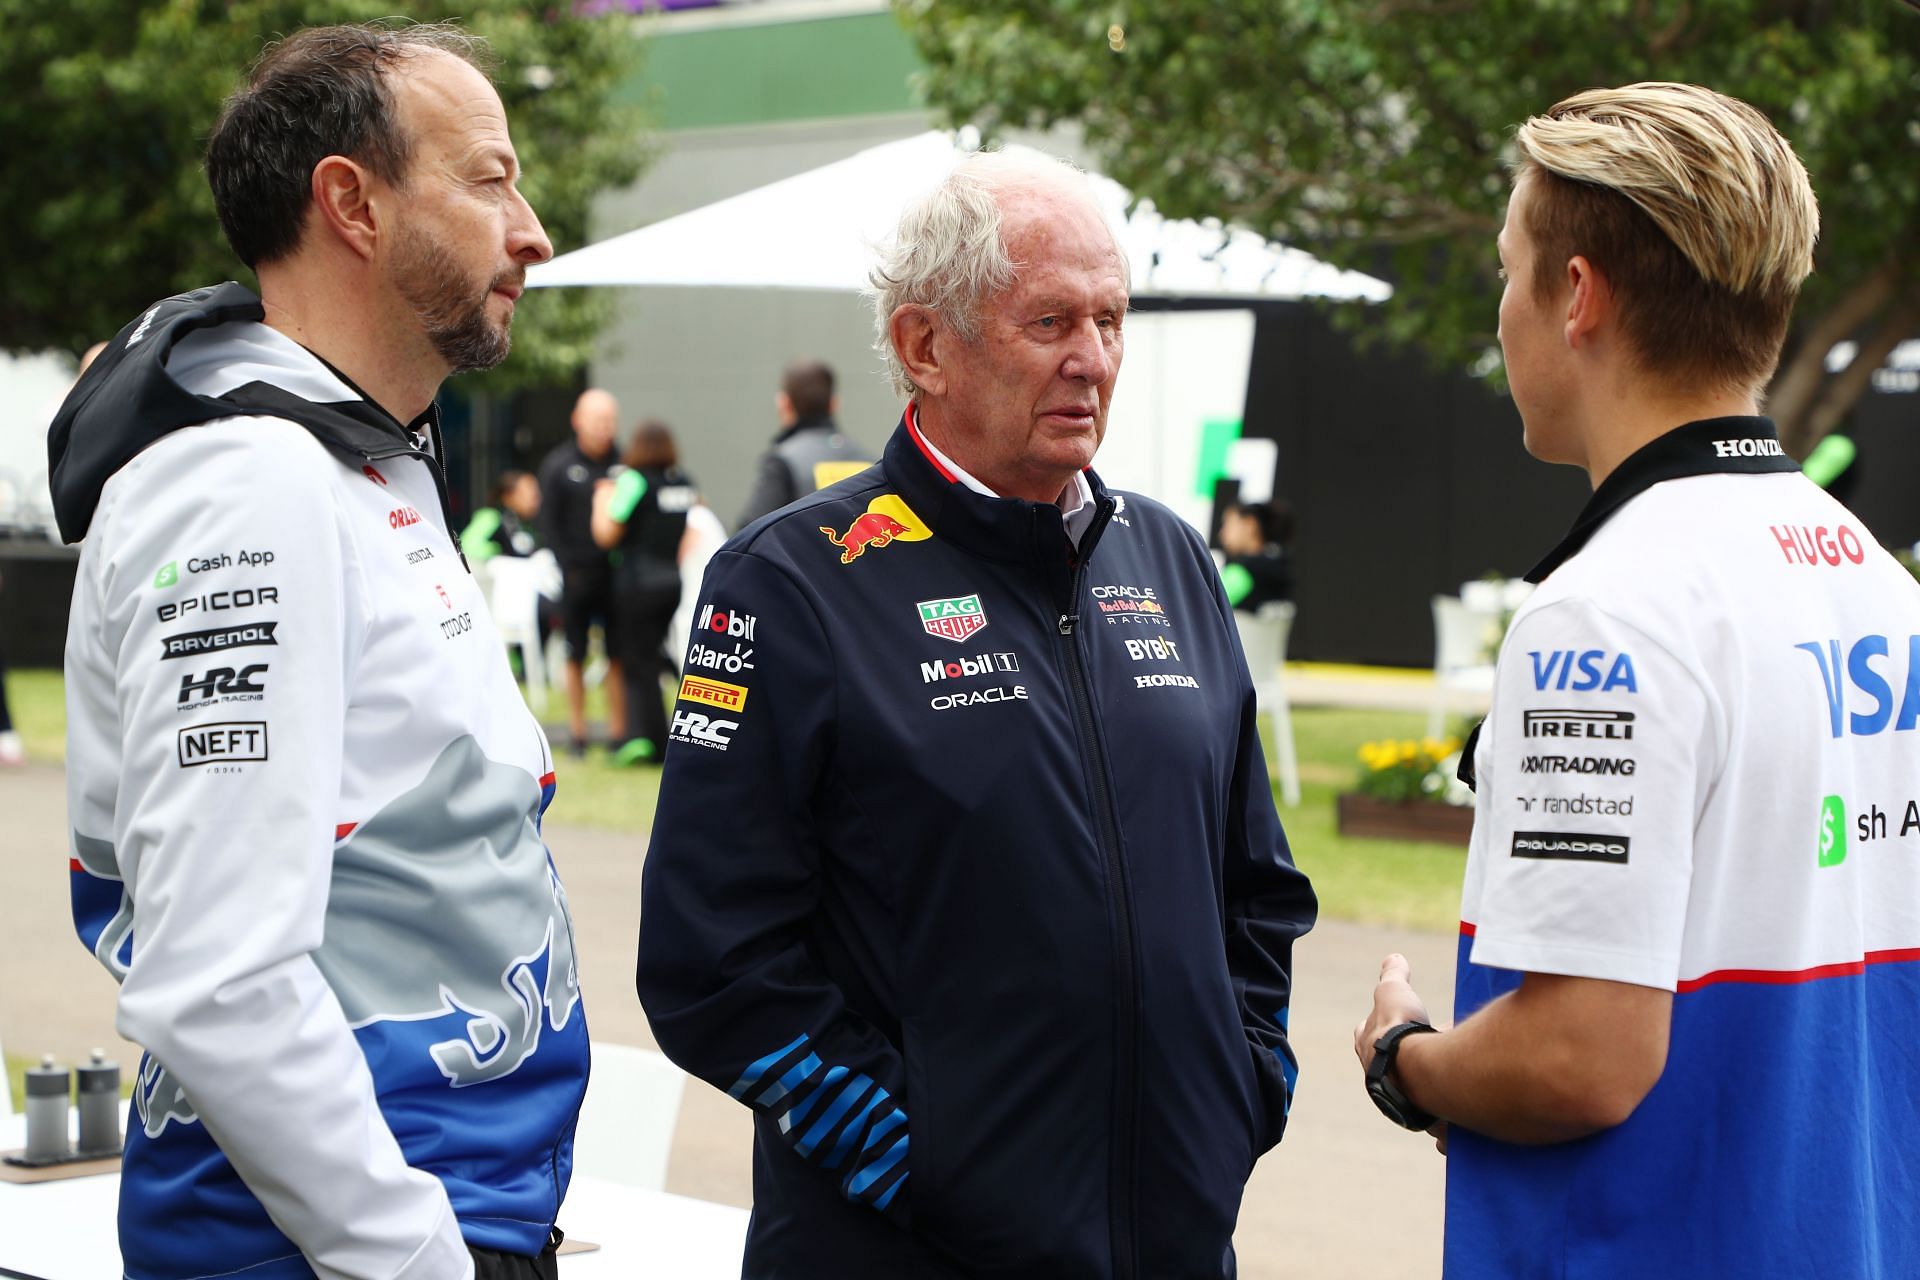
1075 501
1712 446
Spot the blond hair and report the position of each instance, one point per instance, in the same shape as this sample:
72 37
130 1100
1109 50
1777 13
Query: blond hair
1694 207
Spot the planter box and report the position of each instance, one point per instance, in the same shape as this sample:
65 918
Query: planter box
1359 815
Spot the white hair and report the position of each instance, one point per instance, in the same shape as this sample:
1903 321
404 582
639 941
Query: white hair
948 254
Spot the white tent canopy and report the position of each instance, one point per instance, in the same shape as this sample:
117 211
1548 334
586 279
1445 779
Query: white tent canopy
817 230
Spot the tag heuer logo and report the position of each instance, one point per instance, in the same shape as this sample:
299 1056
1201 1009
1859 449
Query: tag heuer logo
954 619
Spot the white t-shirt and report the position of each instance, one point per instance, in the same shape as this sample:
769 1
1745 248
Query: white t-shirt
1701 773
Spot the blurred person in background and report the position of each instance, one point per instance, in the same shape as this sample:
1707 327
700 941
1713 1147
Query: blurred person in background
1258 570
568 477
640 516
507 527
298 770
1689 961
809 452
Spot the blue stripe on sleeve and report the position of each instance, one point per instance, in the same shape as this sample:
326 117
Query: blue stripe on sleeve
798 1111
796 1076
887 1199
831 1116
894 1120
878 1169
758 1069
853 1129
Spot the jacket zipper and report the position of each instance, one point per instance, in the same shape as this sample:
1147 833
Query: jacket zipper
1120 897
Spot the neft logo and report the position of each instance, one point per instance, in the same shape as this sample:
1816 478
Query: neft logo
701 731
1748 449
1815 546
222 743
1859 672
221 681
244 598
1578 724
738 625
1570 846
1602 766
983 664
191 643
715 693
1560 664
401 517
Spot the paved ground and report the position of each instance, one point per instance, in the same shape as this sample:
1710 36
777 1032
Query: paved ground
1345 1194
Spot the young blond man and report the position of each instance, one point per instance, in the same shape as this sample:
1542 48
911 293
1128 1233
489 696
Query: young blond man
1686 991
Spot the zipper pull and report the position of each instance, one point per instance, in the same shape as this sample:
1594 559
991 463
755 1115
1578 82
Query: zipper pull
1066 623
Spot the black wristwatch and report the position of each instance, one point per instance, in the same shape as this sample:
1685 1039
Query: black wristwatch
1386 1095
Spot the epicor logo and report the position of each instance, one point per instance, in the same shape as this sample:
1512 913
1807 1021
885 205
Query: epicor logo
692 726
738 625
888 519
1560 664
1833 831
242 598
1858 670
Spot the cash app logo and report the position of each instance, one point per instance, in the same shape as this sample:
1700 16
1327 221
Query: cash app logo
1833 831
168 575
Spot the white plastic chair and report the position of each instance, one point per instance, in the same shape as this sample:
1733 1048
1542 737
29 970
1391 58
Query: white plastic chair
627 1120
1461 634
1263 635
513 594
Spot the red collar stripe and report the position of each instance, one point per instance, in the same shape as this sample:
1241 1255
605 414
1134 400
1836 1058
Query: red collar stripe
913 429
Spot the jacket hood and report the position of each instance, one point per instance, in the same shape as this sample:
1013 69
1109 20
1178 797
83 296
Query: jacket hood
145 385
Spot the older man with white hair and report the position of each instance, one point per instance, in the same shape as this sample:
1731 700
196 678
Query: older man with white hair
966 875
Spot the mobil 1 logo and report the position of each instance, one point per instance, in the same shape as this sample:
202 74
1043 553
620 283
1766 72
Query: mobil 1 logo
225 743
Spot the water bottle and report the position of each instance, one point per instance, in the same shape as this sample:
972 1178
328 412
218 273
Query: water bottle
48 1089
99 1105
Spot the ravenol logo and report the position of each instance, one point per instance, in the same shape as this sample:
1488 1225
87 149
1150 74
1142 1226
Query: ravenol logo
715 693
1833 831
954 619
168 575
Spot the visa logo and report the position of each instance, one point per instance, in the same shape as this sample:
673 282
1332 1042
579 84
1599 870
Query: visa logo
1578 670
1858 671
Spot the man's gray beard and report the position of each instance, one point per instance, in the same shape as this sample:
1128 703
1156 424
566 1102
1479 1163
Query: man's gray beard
461 331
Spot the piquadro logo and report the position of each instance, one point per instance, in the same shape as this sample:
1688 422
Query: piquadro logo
956 618
1833 831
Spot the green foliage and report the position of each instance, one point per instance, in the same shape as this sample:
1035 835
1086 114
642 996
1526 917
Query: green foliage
106 106
1375 133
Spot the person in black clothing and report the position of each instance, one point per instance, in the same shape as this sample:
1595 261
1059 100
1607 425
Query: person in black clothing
567 480
507 527
640 514
810 452
1258 570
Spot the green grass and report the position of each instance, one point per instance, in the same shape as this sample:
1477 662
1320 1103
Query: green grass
1388 882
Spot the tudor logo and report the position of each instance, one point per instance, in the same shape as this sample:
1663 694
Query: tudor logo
1748 449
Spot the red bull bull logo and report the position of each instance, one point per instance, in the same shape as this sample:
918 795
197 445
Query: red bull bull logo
887 520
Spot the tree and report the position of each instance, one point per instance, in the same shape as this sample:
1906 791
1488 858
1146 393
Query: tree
106 106
1375 133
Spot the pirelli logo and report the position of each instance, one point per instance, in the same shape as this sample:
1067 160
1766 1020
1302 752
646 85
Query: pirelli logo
715 693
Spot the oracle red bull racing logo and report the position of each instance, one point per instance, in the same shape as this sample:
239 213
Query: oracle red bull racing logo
887 520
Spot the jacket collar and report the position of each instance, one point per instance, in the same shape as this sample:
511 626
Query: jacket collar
1712 446
1004 529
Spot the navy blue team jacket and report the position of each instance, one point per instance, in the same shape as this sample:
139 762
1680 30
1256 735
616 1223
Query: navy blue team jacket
966 877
